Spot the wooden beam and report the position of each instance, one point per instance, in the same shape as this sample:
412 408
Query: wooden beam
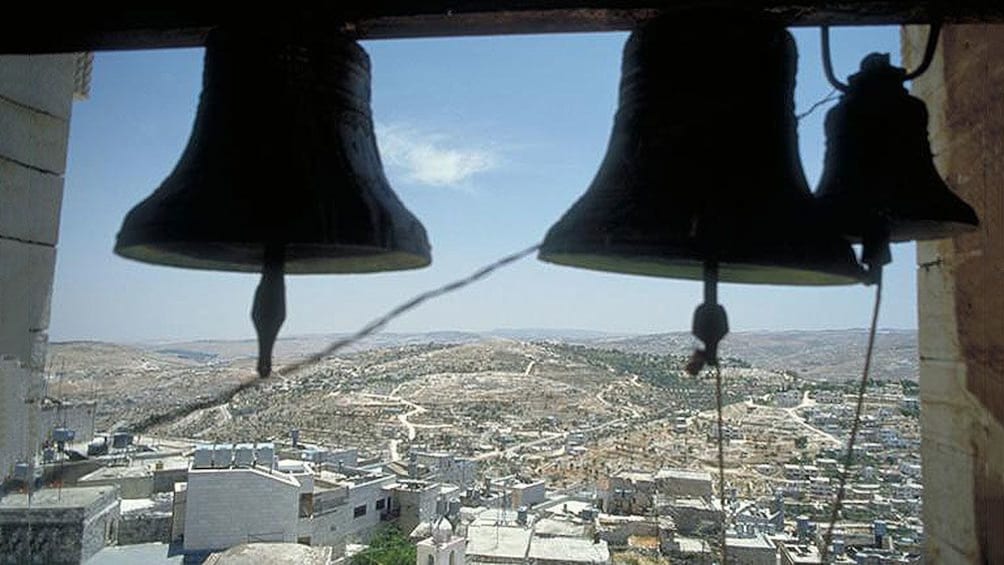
90 27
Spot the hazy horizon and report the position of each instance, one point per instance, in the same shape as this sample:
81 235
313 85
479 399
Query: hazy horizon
486 140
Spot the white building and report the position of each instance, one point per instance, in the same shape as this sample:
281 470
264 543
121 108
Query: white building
443 548
293 502
683 483
756 550
527 494
227 507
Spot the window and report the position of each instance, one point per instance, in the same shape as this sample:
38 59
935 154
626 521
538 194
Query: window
380 504
359 511
306 505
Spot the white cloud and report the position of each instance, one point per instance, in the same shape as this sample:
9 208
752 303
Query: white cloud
429 159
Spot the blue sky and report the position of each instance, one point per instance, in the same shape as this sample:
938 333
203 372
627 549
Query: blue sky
487 140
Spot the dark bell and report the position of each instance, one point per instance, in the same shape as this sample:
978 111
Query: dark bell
703 165
879 174
282 154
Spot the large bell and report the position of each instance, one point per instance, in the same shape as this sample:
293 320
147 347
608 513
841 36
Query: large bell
281 174
282 154
879 178
703 164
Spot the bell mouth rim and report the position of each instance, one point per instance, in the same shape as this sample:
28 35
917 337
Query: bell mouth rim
738 272
300 258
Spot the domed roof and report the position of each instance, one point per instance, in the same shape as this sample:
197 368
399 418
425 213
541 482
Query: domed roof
442 531
421 531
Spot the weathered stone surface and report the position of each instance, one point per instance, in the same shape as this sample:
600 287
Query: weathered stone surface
33 138
29 203
44 82
944 382
961 303
26 272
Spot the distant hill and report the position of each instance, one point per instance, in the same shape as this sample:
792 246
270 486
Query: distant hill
822 355
137 383
816 354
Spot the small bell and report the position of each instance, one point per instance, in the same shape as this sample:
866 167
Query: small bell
879 183
281 174
702 178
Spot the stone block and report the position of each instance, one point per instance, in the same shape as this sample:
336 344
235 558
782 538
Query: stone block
950 425
29 203
938 328
943 382
948 509
26 272
33 138
43 82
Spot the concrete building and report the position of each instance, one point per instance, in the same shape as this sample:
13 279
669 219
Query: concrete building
444 547
527 494
294 502
447 468
629 492
799 554
227 507
414 502
693 515
756 550
683 483
518 545
58 525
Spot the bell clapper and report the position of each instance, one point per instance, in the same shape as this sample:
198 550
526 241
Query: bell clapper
711 323
875 250
269 309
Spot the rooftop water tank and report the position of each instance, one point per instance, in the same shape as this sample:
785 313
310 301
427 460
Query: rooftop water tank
63 435
223 455
244 455
22 471
203 458
121 440
521 515
265 456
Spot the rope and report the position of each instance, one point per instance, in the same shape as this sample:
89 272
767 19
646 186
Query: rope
721 460
336 345
382 321
849 455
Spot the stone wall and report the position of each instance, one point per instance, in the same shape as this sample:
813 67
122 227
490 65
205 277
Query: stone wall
145 528
36 95
961 302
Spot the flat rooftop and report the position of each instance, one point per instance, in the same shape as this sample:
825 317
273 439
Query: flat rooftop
71 497
567 550
757 542
684 474
145 553
503 542
555 528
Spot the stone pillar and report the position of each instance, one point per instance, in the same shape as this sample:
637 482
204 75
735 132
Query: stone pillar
961 300
36 95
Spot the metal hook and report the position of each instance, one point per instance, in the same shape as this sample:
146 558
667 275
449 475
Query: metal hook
827 62
932 45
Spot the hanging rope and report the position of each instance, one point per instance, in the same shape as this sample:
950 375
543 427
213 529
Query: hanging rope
721 460
336 345
382 321
830 97
849 455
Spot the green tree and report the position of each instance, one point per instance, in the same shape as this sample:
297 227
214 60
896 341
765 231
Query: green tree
388 547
